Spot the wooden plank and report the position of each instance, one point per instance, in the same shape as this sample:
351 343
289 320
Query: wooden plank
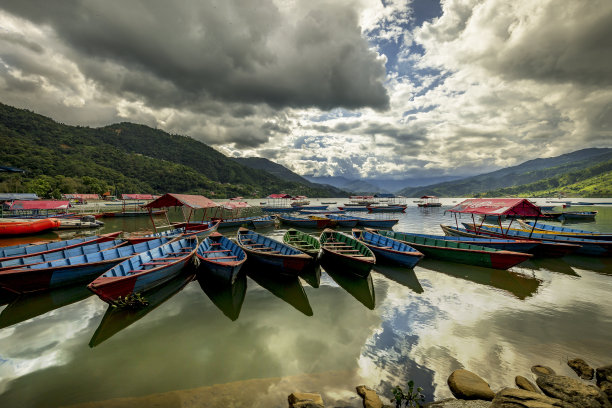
219 250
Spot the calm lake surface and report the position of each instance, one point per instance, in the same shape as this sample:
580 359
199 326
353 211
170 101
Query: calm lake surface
204 344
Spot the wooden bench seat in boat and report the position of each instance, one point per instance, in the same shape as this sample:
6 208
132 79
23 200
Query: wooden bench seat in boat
220 250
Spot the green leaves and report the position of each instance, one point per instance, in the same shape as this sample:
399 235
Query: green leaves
411 398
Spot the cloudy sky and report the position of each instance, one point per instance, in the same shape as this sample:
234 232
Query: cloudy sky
354 88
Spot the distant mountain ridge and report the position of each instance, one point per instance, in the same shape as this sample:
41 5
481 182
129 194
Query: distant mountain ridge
528 172
377 185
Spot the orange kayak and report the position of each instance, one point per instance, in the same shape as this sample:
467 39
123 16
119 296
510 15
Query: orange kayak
12 227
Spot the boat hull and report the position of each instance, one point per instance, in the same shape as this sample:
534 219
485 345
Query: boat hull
460 253
27 227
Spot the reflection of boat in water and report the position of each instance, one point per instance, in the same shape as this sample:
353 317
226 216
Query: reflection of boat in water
116 319
227 296
401 275
599 265
312 275
27 306
361 288
550 264
6 296
285 287
521 286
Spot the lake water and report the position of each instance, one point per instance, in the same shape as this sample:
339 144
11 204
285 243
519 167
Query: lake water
250 345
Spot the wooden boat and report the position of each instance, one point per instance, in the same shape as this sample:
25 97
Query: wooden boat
343 220
565 231
376 223
86 221
66 253
263 222
67 271
578 215
234 222
346 252
389 249
200 229
15 226
321 212
429 201
172 233
328 202
21 251
278 209
284 258
145 271
303 242
386 208
516 245
221 256
591 247
359 208
460 252
544 249
314 222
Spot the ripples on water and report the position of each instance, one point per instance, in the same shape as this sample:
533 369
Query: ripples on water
253 343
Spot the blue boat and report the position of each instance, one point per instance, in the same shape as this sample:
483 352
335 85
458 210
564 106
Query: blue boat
356 208
317 222
64 272
199 229
516 245
16 251
278 209
343 220
173 233
321 212
221 256
578 215
591 247
67 253
389 249
572 232
310 207
283 258
263 222
145 271
236 222
376 223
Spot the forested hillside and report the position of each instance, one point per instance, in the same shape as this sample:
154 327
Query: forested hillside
532 171
123 158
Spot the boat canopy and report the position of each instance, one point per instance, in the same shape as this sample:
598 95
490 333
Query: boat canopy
137 197
426 197
82 196
180 200
498 206
232 205
279 196
39 205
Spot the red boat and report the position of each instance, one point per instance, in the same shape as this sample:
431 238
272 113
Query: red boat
11 227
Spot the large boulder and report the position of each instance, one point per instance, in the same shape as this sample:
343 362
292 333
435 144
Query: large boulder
581 368
305 400
465 384
455 403
515 398
604 374
573 391
606 388
370 398
542 370
525 384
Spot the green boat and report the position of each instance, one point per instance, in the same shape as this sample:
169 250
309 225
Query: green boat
347 253
459 252
302 241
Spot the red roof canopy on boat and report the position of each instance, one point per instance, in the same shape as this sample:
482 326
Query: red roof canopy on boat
279 196
429 197
137 196
230 205
39 205
498 206
179 200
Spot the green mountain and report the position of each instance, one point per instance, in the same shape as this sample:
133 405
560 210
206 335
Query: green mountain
526 173
124 158
593 181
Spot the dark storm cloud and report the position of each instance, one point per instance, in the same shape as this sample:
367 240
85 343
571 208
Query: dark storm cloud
178 53
404 134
